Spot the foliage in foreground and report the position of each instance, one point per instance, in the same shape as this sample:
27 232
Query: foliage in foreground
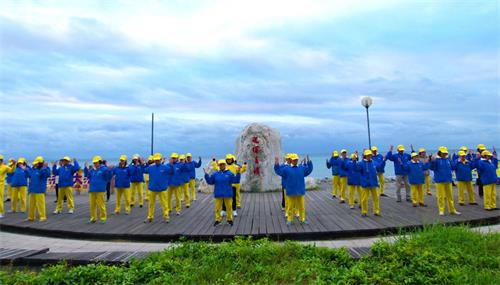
435 255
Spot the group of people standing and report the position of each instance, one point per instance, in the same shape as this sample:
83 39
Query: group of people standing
413 171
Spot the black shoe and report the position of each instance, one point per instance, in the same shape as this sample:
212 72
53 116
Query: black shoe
132 205
383 195
140 206
230 223
342 201
461 204
474 203
334 197
7 200
216 223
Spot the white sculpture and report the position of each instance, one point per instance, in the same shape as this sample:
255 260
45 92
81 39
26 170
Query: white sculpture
258 145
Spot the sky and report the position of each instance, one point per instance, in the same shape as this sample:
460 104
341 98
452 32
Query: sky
82 78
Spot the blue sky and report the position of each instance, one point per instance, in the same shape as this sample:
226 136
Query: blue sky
82 77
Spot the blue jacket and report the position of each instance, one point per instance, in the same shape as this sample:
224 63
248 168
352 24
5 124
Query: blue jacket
9 178
19 178
122 176
223 181
338 163
186 172
334 166
192 167
38 179
380 162
281 166
138 173
487 171
294 177
65 174
98 178
416 170
368 171
175 170
398 167
463 171
353 176
158 177
442 170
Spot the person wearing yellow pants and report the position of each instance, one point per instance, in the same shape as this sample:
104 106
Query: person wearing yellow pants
330 163
294 176
175 168
122 175
367 169
99 176
192 165
38 175
137 181
353 180
236 169
486 167
65 172
422 156
4 169
463 172
380 163
19 186
8 180
441 166
222 180
146 177
184 187
158 182
416 177
342 173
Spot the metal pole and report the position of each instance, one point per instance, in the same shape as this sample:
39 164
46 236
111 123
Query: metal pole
368 122
152 131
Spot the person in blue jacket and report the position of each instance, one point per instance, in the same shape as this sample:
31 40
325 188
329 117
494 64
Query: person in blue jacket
486 167
37 175
353 180
441 166
122 174
12 161
175 169
367 169
65 173
330 163
463 172
192 174
400 159
185 176
19 186
223 190
342 173
137 181
379 160
99 176
294 176
158 182
416 174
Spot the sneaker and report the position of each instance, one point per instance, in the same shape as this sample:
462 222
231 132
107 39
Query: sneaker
71 211
398 200
90 221
377 214
235 213
423 205
1 216
166 220
288 223
351 207
216 223
148 220
140 206
304 222
187 207
408 200
230 223
29 220
342 201
43 220
178 213
116 213
56 212
10 211
102 221
429 194
7 200
456 213
334 197
222 213
127 213
414 204
473 203
441 214
282 209
364 215
383 195
131 205
461 204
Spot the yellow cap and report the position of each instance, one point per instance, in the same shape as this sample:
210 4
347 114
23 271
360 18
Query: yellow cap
294 156
464 148
67 158
96 159
486 153
229 156
221 161
335 153
288 156
174 155
421 149
188 154
443 149
1 157
481 146
374 148
21 160
401 147
39 159
461 153
123 157
157 156
354 155
136 156
11 159
367 152
150 158
182 156
413 154
343 150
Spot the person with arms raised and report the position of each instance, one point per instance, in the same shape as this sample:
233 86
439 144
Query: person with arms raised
66 171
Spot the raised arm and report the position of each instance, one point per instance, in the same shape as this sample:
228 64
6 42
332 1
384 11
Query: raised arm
210 179
308 168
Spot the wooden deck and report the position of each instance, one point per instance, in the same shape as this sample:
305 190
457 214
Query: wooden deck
261 216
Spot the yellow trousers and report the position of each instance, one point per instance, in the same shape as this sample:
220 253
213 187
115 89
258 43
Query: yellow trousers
218 208
381 182
9 191
146 185
162 196
37 204
125 193
365 192
238 195
68 192
343 187
2 189
417 194
296 202
185 193
171 191
192 187
427 183
445 192
490 196
351 190
335 185
462 186
136 188
19 197
97 201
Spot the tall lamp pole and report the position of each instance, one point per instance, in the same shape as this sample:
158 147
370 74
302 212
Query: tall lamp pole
152 131
367 102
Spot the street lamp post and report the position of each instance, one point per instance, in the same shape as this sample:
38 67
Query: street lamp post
367 102
152 131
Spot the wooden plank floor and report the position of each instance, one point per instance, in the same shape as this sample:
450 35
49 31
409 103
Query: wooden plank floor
261 216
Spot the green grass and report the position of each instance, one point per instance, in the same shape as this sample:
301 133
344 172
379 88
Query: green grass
434 255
